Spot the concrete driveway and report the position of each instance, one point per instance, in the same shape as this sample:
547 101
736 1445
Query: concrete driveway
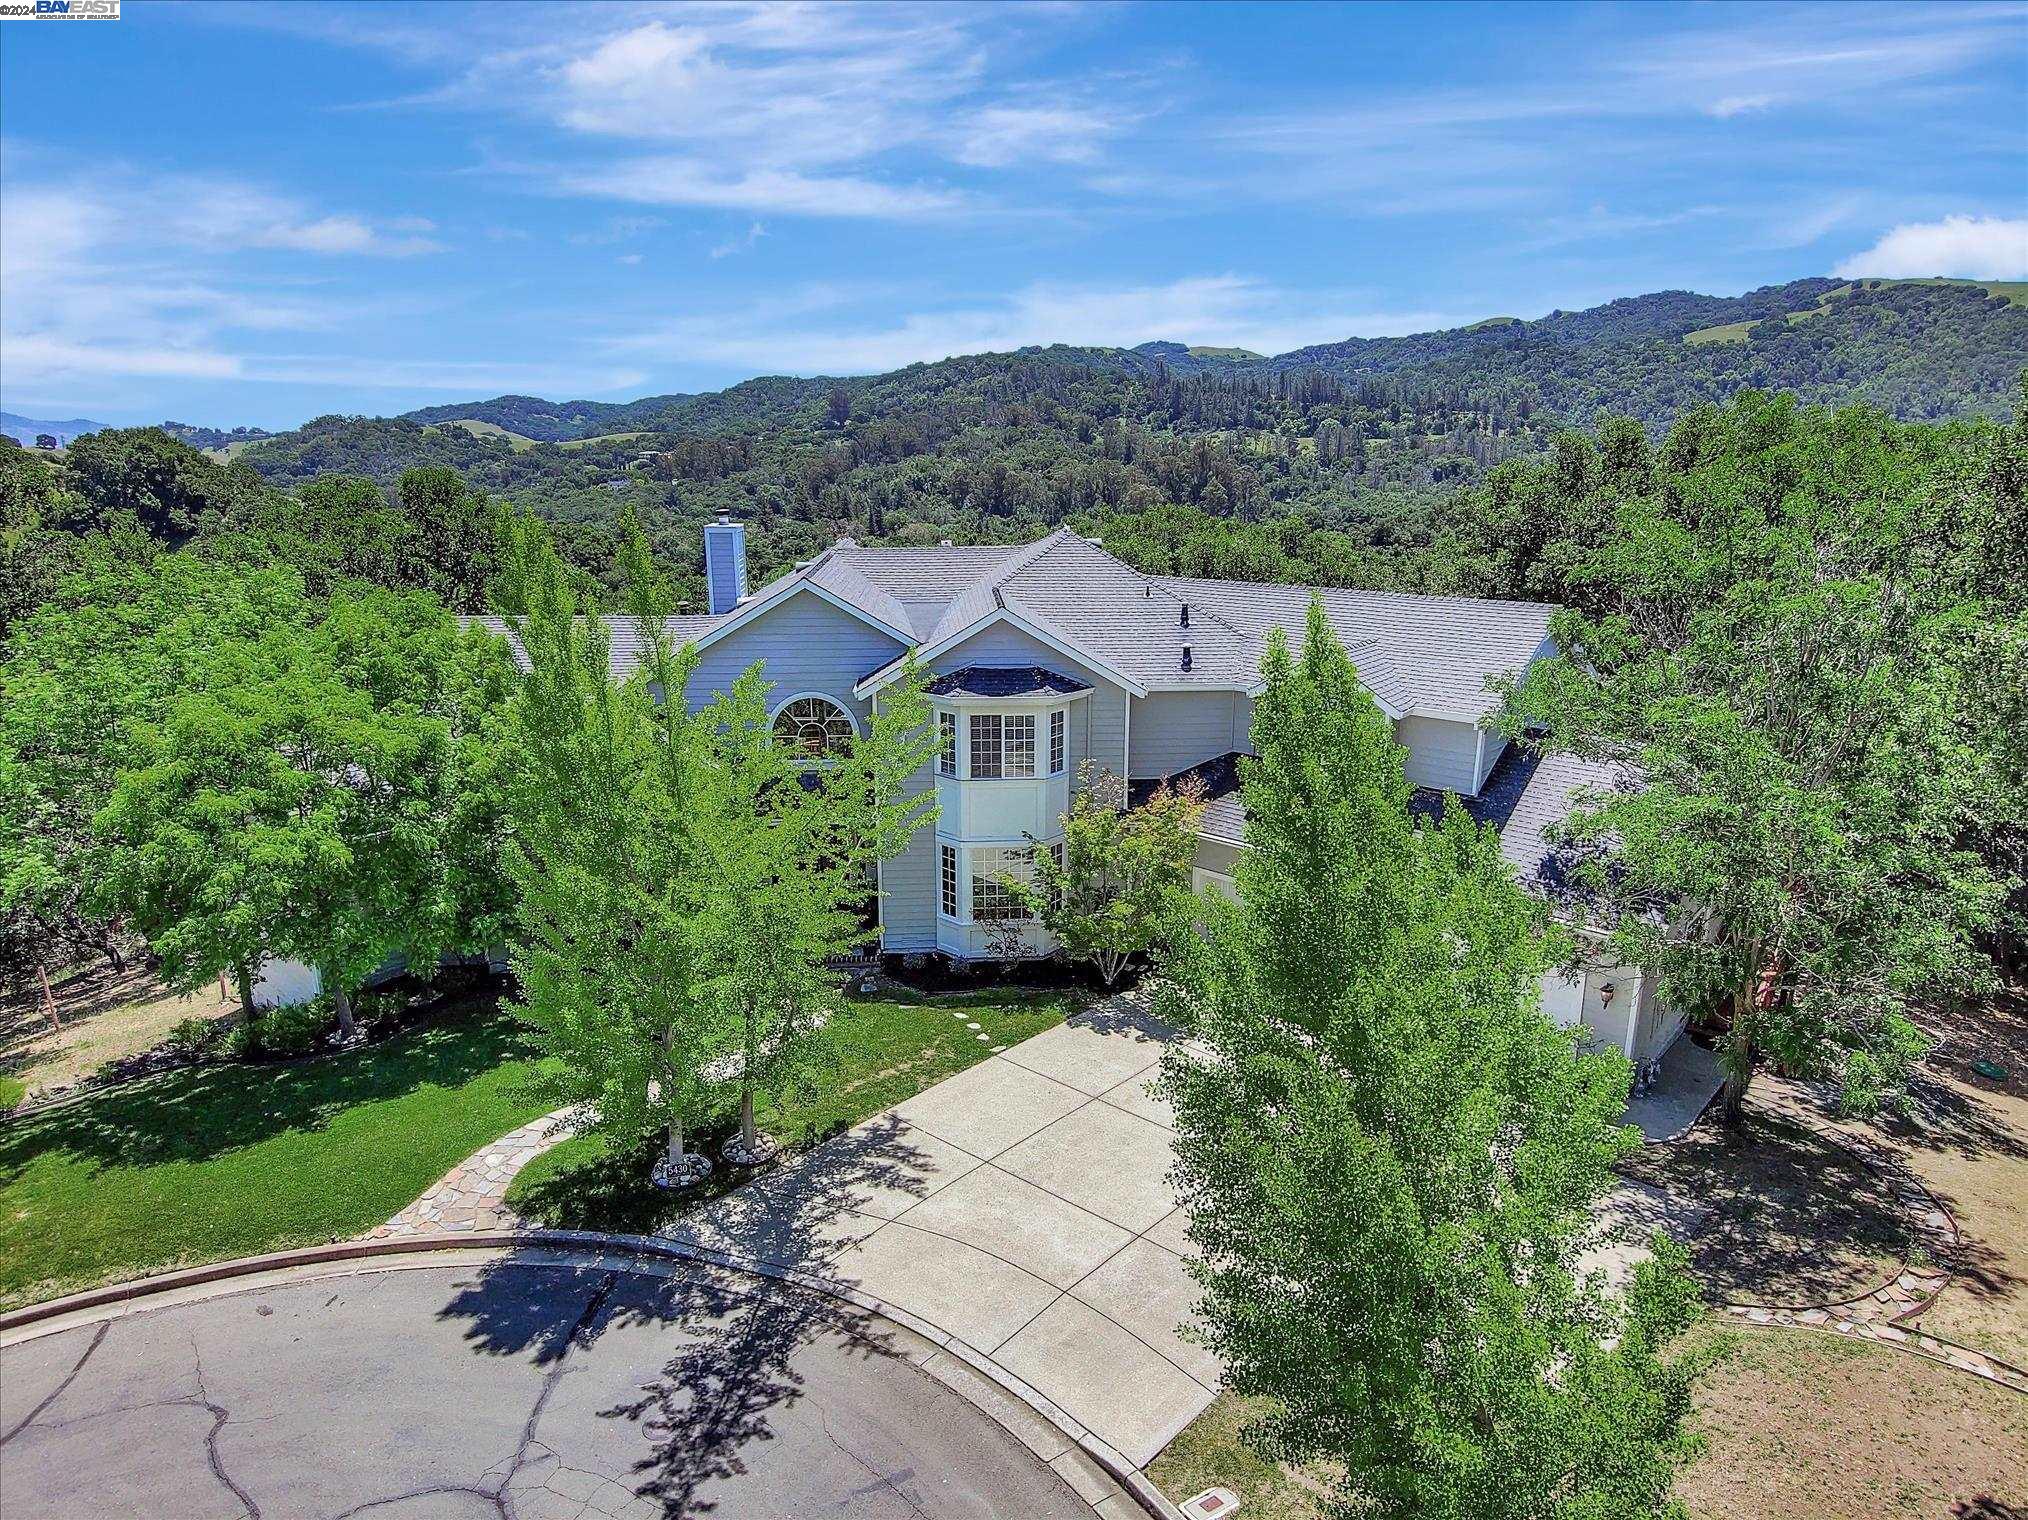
1020 1206
532 1386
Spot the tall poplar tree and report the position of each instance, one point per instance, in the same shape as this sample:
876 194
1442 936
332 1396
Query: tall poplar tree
1388 1153
602 850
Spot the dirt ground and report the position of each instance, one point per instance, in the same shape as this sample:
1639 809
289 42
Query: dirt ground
1775 1214
1804 1424
104 1016
1966 1137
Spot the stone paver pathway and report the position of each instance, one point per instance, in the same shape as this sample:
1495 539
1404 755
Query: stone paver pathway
472 1196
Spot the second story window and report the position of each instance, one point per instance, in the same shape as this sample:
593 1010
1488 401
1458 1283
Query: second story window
947 744
986 745
1056 742
1003 744
814 727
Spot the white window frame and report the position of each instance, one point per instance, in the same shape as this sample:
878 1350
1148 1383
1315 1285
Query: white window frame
948 898
812 696
988 864
947 742
1059 730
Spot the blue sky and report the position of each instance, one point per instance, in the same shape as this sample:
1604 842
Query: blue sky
255 213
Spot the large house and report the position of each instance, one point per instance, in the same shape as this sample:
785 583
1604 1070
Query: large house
1049 654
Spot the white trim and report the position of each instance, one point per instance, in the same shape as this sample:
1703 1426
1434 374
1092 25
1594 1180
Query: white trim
748 610
890 672
1127 745
1029 699
821 696
1387 708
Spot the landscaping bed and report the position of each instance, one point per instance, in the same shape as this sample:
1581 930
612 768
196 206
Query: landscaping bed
886 1048
1776 1213
224 1160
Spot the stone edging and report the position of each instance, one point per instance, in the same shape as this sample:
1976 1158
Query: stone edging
1883 1314
1074 1435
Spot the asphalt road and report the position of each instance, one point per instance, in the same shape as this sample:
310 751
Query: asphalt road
509 1391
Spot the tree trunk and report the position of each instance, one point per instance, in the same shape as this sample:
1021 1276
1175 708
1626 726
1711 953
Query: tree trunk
49 998
675 1148
749 1137
1739 1058
242 975
341 1004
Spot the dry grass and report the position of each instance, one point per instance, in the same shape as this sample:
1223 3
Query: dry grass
1781 1215
1966 1137
1210 1454
1798 1423
104 1015
1795 1423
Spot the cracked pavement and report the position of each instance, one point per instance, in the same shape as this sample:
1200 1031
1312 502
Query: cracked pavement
529 1388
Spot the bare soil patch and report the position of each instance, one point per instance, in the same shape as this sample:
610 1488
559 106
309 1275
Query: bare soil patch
1803 1424
1782 1215
105 1015
1966 1136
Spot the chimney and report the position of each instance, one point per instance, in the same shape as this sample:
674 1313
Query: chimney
1186 615
724 564
1186 656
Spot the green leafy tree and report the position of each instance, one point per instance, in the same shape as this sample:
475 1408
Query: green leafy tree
1123 884
1388 1153
602 851
1791 635
83 680
301 799
455 541
785 850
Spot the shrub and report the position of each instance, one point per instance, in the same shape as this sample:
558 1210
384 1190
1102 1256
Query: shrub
382 1005
277 1034
192 1039
293 1031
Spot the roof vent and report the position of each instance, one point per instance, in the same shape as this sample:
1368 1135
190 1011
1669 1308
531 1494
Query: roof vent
1186 656
943 543
1186 616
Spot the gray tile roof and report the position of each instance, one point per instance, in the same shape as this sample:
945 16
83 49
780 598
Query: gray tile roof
1430 655
623 638
1426 655
1000 681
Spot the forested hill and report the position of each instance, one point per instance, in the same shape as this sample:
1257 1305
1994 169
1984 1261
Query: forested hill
1915 348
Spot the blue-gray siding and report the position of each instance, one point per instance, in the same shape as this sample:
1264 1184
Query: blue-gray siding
1174 730
1441 753
805 644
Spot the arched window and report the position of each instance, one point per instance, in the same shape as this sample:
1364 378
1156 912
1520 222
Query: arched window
814 726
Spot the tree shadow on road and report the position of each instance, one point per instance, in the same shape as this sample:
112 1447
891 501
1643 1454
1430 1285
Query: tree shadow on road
729 1376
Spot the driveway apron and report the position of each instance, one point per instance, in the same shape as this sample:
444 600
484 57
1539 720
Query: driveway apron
1021 1206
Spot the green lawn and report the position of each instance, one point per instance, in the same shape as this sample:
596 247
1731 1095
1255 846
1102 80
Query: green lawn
885 1049
223 1161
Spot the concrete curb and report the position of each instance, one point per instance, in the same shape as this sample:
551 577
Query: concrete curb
1073 1436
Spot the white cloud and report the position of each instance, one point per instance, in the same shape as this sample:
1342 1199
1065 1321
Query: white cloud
997 136
674 181
819 330
148 279
1968 247
808 110
628 258
1739 105
616 229
746 240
